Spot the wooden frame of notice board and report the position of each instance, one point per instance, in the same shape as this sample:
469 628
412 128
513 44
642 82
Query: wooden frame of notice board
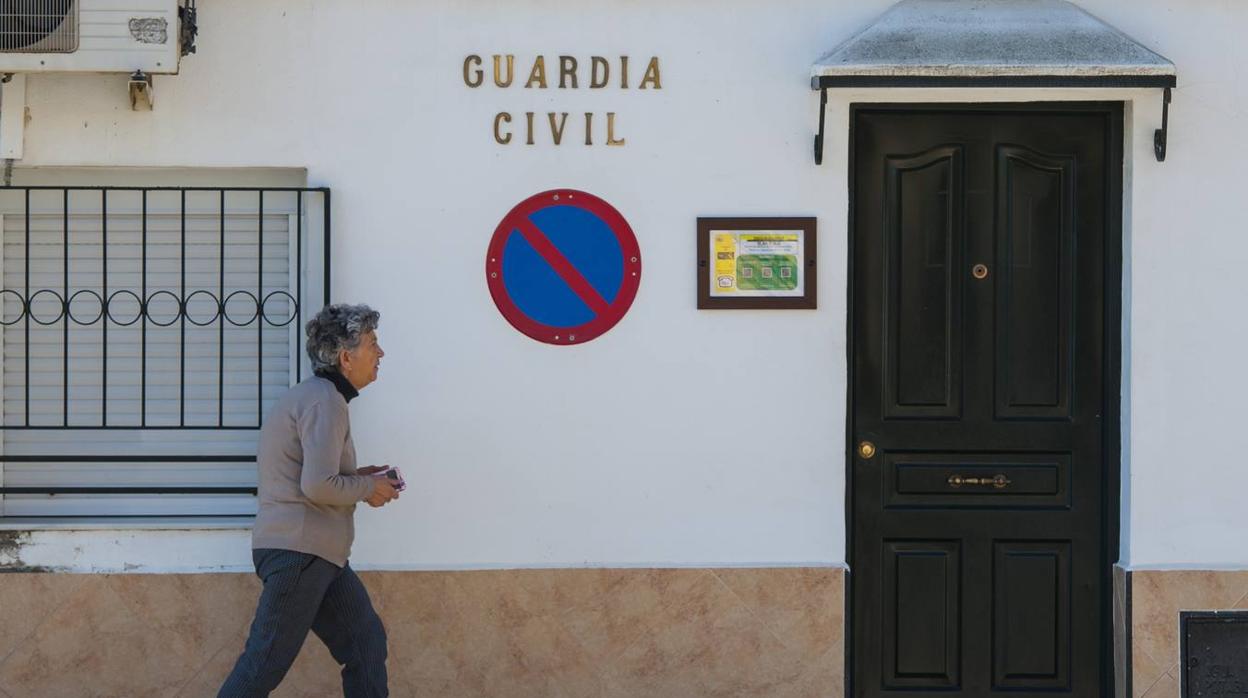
757 263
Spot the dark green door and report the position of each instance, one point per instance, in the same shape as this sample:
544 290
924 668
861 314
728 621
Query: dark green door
981 526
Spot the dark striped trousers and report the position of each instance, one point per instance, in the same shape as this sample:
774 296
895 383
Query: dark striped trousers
304 592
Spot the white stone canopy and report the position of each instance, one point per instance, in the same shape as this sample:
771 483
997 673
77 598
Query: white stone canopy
992 43
1040 41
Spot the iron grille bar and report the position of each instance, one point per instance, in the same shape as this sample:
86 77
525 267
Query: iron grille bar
182 323
150 427
65 325
128 490
260 306
143 327
221 325
51 187
26 304
103 301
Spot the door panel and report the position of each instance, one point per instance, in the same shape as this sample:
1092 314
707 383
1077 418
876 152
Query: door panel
1035 203
979 536
922 374
921 590
928 480
1031 629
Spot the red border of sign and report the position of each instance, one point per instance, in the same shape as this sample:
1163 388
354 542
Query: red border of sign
604 321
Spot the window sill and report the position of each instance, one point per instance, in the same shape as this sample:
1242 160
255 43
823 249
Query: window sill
166 523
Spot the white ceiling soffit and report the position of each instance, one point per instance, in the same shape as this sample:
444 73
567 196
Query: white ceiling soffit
992 43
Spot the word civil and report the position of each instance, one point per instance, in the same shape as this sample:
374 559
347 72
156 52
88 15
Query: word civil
565 72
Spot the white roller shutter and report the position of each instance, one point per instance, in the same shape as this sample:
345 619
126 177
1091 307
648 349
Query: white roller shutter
159 408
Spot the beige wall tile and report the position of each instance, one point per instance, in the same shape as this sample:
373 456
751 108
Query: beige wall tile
204 610
804 607
26 600
711 645
95 644
1145 672
1166 687
615 608
207 681
315 674
426 634
1154 617
822 678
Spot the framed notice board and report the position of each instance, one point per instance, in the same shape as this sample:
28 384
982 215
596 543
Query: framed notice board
761 263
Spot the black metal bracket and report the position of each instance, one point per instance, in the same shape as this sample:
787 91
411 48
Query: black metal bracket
188 27
823 107
1160 135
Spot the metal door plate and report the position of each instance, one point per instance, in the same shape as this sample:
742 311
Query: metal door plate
1214 653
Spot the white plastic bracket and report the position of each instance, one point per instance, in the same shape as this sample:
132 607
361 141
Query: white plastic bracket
142 97
12 117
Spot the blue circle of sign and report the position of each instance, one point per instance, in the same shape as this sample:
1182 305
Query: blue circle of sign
586 242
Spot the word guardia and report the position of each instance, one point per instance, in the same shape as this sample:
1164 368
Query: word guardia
564 73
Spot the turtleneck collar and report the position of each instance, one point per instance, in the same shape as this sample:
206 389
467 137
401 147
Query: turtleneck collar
340 382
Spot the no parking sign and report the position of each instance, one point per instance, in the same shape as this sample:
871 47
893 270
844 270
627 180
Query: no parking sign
563 266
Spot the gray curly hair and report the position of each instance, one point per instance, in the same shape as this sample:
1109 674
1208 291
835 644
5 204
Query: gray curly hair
335 328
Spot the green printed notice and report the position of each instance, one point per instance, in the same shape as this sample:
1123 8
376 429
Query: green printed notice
767 272
756 263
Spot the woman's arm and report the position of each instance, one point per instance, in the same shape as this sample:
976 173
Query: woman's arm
322 433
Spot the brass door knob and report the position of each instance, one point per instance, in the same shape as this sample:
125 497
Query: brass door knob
866 449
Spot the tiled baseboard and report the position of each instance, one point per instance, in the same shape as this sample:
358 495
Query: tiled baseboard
514 633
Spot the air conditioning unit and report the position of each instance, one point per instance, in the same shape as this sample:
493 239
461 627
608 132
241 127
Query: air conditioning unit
89 36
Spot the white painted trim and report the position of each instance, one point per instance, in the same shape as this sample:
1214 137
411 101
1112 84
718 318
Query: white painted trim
294 256
1187 567
181 550
840 99
1 364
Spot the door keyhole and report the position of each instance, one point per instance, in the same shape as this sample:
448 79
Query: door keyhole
980 271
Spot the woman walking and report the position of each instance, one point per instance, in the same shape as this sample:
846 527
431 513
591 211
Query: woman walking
309 486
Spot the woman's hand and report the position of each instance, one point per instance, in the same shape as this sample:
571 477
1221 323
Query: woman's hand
383 492
383 489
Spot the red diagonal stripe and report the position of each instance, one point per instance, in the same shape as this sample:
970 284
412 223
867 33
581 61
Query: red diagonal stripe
582 288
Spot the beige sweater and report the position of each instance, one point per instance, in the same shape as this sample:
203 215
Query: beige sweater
308 486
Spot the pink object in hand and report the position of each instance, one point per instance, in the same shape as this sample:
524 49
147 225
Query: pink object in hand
395 477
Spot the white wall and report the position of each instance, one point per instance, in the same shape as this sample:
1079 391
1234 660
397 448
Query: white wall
1188 334
625 451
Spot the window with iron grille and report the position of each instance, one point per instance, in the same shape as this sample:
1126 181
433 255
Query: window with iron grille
144 333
